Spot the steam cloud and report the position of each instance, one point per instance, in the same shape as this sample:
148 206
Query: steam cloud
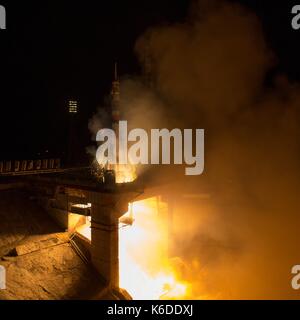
210 73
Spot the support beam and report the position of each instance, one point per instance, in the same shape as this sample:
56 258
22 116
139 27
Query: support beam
105 243
106 210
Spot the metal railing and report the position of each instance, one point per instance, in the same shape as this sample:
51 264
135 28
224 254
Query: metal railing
26 167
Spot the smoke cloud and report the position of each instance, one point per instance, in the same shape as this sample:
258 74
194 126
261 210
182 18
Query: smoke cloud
210 73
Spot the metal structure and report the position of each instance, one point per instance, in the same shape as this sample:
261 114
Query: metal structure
29 167
63 194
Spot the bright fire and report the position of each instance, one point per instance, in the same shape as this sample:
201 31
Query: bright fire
124 173
145 269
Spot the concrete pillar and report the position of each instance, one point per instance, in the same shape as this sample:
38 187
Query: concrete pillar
105 243
106 211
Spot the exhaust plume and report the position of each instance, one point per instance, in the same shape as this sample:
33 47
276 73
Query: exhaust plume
209 72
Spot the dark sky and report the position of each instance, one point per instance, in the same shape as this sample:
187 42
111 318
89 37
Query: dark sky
55 50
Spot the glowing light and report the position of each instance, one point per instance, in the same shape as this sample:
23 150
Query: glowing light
145 270
85 230
82 206
73 106
125 173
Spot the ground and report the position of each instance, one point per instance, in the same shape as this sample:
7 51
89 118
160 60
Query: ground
39 259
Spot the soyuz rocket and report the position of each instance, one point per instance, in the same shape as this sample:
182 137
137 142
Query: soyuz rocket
112 169
115 101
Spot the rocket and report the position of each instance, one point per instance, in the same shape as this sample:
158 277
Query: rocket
115 101
115 113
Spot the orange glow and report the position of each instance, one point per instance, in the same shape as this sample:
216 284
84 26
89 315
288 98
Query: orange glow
124 173
85 229
145 270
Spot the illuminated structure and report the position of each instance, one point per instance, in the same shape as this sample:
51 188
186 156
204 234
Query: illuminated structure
117 173
73 110
73 106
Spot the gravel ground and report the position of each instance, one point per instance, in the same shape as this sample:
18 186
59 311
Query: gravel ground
42 268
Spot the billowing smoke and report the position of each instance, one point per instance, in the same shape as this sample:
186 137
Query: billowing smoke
210 73
99 121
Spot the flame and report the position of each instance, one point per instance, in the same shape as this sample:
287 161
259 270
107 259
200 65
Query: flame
145 270
125 173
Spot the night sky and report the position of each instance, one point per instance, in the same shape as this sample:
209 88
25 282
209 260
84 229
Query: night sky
51 52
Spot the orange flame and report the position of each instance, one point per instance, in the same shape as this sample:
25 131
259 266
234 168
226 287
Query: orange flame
145 270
